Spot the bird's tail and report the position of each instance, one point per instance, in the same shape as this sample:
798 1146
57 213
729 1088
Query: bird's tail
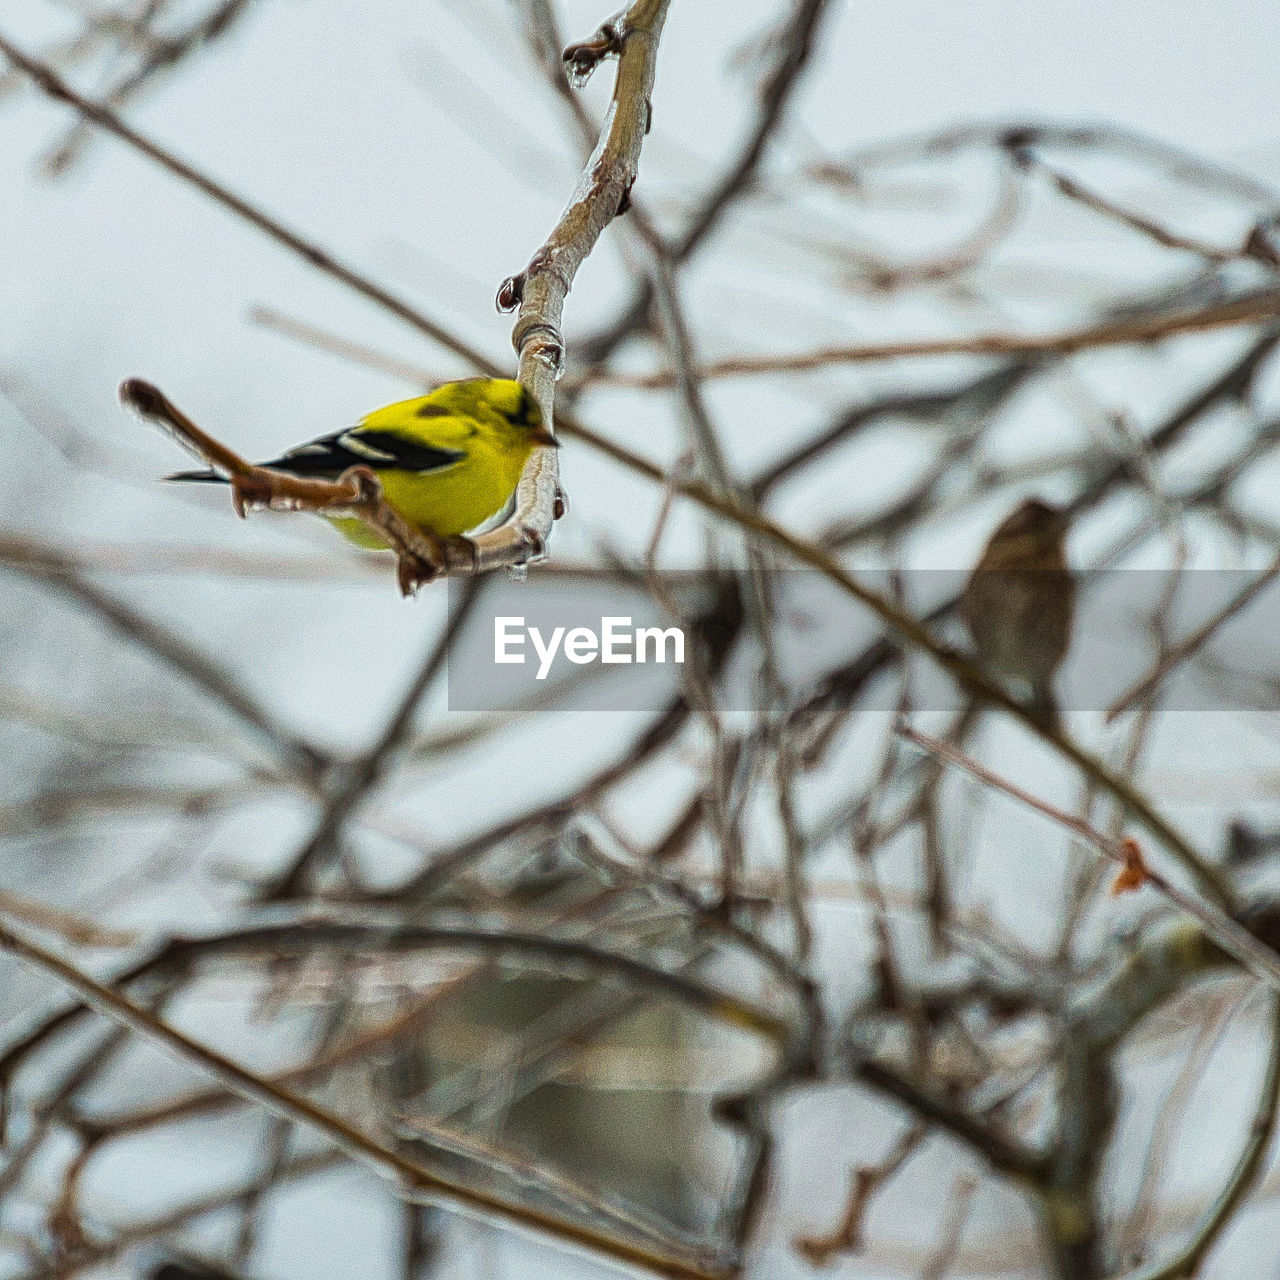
207 476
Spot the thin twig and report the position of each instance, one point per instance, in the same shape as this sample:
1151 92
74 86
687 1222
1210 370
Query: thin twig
204 672
98 1251
362 774
1176 654
54 86
1073 189
1167 1126
948 1247
848 1237
1259 308
311 335
70 925
1231 936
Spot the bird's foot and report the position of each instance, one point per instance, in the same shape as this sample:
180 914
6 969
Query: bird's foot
414 571
364 483
255 490
431 556
417 566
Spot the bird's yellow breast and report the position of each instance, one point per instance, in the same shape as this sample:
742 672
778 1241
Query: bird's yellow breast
451 500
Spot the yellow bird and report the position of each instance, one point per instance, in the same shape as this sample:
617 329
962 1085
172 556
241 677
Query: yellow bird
447 461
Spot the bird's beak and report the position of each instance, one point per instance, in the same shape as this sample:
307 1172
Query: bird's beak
541 435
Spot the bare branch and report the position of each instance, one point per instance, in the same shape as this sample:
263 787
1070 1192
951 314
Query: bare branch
1243 1177
411 1180
1184 649
55 87
1262 307
1231 936
539 290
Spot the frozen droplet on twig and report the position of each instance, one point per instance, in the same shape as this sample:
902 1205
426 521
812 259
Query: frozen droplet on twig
581 59
518 572
579 72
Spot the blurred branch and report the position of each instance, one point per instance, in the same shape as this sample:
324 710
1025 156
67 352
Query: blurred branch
361 775
98 1251
69 925
319 339
961 406
1184 649
1103 138
1102 476
202 671
1073 189
159 54
1173 1115
410 1179
600 895
150 558
1231 936
67 806
848 1237
917 635
19 1154
1256 308
716 631
55 87
1186 1263
1007 1156
306 939
953 1224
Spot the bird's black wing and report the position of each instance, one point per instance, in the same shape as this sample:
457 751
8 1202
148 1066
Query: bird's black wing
330 456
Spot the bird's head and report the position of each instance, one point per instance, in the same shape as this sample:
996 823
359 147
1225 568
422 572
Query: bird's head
1035 520
509 398
1030 537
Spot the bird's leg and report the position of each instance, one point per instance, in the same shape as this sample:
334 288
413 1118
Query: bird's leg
443 556
414 570
421 556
